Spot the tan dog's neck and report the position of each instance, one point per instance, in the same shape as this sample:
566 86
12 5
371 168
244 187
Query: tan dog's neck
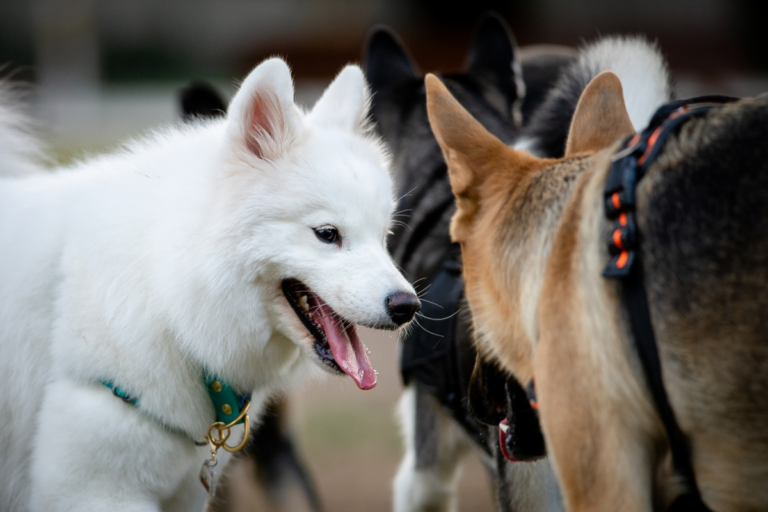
506 255
508 206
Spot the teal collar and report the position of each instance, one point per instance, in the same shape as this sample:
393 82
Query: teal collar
119 393
226 402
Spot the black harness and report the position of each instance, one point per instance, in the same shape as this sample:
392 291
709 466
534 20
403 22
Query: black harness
425 350
431 353
629 166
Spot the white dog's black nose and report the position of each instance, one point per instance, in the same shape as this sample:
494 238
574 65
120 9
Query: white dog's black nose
401 307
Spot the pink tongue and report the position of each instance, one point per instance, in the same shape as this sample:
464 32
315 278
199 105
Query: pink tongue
347 349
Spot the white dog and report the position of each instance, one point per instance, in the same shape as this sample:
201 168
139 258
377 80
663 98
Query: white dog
246 249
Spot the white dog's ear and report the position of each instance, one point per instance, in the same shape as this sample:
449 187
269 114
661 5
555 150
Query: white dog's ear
262 115
345 102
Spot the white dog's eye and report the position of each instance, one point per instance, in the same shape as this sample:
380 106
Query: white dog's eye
328 234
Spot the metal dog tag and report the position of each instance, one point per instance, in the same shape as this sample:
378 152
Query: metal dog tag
208 476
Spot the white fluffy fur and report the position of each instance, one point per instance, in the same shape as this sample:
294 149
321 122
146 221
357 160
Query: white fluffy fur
164 260
641 69
20 153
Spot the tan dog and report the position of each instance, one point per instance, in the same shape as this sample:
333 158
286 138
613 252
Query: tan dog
533 238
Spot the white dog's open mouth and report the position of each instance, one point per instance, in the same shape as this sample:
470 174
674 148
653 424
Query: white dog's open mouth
336 341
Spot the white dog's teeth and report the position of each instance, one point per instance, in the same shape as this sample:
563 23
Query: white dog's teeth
504 428
303 303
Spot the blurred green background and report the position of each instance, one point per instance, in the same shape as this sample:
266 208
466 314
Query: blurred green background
104 69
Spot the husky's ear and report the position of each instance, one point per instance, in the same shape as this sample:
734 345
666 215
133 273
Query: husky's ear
493 59
600 118
387 63
262 115
471 152
344 104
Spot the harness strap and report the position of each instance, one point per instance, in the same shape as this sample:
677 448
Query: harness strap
629 166
636 303
432 355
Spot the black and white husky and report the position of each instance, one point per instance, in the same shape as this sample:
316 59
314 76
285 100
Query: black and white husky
526 97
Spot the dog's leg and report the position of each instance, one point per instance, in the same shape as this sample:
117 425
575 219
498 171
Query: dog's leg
526 486
279 469
435 447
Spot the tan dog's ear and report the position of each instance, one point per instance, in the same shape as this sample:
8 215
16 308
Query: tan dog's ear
471 152
601 116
